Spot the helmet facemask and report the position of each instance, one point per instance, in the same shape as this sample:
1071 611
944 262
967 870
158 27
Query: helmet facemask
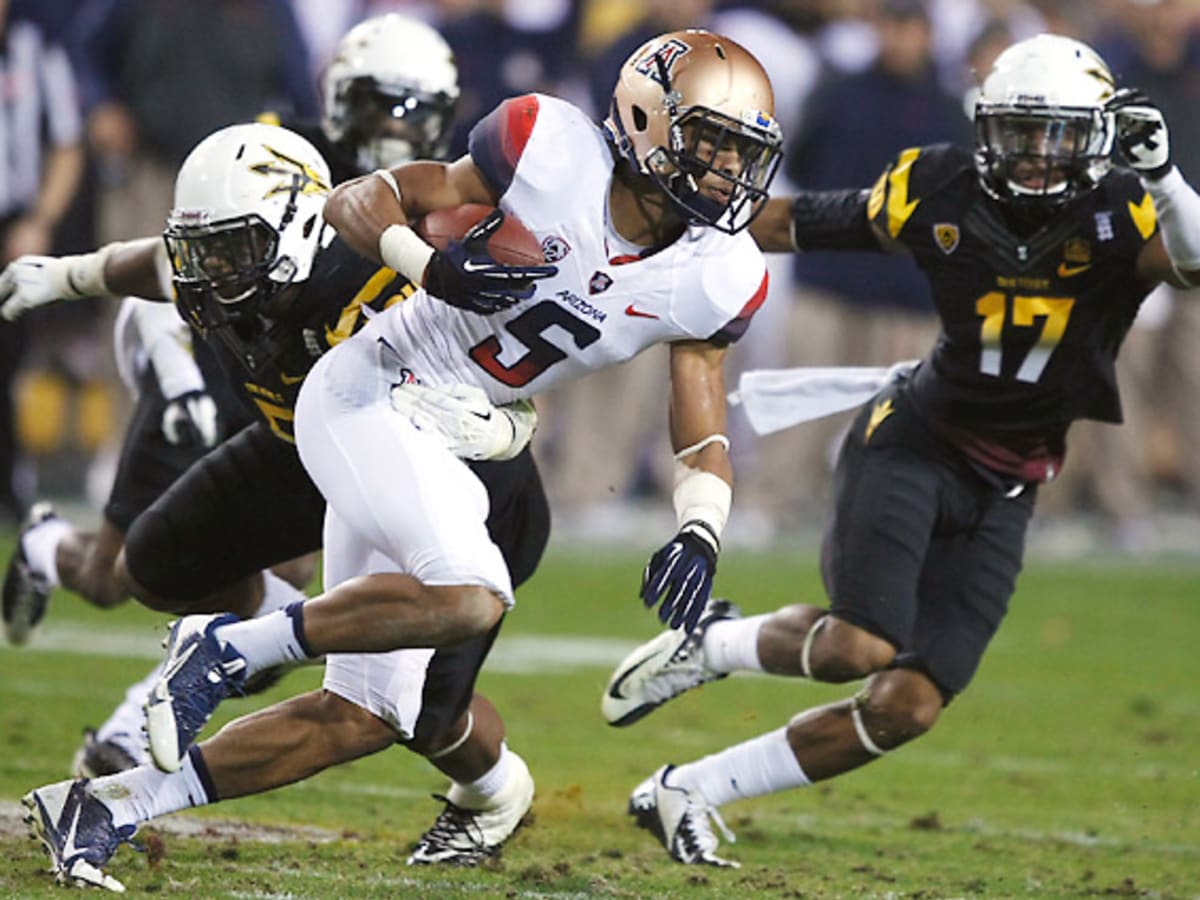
389 124
1041 156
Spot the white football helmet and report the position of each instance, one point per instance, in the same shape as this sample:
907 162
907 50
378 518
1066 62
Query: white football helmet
390 92
684 99
1043 134
247 221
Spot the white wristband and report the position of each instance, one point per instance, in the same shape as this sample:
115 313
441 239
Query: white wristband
85 273
1178 208
701 496
404 250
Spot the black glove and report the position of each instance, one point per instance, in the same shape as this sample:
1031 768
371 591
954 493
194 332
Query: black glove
466 276
681 575
190 420
1141 132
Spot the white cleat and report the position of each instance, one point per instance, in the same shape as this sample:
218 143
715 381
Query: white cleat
679 818
467 837
662 669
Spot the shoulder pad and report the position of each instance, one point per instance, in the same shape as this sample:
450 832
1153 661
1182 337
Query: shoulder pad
913 175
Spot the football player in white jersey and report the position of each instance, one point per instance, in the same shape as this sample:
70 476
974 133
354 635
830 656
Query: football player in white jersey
642 225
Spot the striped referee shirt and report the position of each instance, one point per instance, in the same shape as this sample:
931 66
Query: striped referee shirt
39 108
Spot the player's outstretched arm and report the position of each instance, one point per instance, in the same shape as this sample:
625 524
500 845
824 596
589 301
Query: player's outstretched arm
679 576
115 270
818 220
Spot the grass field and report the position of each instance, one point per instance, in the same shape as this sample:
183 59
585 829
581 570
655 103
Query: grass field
1070 769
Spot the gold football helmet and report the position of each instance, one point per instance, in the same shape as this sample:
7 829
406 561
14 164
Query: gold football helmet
695 112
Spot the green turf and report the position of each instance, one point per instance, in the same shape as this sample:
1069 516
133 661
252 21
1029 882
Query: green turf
1070 769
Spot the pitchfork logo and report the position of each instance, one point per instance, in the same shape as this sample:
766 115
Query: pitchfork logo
669 52
296 177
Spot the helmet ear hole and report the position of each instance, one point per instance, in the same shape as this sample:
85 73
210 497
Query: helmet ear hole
640 119
309 226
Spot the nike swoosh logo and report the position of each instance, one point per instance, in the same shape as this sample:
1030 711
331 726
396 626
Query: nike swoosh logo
290 379
178 664
69 850
614 690
630 311
1065 271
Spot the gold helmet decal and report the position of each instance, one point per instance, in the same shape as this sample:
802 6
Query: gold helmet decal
298 176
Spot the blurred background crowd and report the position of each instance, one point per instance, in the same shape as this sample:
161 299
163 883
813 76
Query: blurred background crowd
103 99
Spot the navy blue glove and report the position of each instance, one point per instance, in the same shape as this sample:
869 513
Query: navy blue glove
681 575
466 276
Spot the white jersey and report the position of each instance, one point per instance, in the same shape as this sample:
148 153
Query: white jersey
553 169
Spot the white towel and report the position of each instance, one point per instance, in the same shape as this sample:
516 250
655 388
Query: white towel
776 399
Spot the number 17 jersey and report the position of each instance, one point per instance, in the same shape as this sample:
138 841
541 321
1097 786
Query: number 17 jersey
1031 325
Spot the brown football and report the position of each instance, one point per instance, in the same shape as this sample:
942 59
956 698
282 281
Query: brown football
512 244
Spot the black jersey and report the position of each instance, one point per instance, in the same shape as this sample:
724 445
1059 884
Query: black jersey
1030 326
268 359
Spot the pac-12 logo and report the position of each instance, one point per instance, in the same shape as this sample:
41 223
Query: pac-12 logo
554 248
669 52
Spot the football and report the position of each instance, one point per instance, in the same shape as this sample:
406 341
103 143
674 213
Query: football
512 244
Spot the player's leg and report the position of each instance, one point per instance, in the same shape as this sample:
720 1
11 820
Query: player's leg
885 506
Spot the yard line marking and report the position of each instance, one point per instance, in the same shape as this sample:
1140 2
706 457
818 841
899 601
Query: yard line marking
517 654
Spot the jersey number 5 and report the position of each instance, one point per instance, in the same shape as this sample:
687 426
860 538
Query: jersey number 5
528 328
1054 313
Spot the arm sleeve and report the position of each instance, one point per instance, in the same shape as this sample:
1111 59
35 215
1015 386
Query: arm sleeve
168 342
832 220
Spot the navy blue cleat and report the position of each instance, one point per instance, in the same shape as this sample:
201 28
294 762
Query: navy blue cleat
26 592
199 672
76 828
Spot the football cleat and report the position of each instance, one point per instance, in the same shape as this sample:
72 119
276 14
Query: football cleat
662 668
26 592
77 830
679 818
466 837
199 672
104 757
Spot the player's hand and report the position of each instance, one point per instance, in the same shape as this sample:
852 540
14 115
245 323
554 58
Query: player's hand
464 275
467 422
31 281
1141 132
681 576
190 420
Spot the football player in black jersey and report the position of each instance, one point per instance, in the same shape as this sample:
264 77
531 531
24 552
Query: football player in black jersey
1038 252
250 501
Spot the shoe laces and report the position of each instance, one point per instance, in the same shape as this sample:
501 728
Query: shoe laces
454 822
696 831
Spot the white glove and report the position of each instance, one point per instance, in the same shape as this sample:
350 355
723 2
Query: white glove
1141 132
31 281
467 422
190 420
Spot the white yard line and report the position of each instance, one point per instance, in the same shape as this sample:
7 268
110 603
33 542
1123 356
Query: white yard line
512 654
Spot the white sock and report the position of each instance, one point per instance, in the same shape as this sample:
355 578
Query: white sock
761 765
731 645
476 794
40 544
278 594
277 637
125 724
141 794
